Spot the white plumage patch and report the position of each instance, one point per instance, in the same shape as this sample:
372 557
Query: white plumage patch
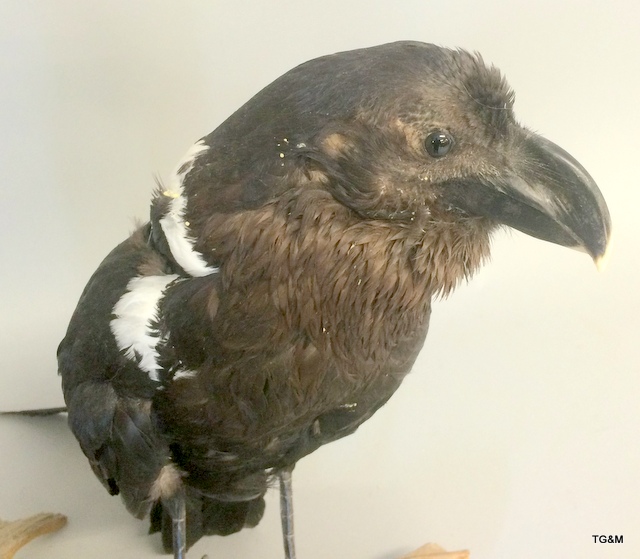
184 373
167 483
134 313
174 226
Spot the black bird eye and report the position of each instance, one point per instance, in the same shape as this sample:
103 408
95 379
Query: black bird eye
438 143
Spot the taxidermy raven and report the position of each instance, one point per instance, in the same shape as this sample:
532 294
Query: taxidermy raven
282 288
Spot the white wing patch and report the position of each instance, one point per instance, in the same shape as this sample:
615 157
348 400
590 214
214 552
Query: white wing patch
174 226
134 313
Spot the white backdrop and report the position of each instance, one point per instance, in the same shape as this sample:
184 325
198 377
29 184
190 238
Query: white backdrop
516 436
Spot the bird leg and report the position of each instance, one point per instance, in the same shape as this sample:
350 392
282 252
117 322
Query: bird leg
177 509
180 530
286 513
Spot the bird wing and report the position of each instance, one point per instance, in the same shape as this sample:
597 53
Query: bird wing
108 393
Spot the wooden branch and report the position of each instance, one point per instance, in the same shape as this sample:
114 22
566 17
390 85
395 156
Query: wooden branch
434 551
18 533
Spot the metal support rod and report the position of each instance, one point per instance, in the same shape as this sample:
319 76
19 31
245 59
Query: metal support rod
179 526
286 513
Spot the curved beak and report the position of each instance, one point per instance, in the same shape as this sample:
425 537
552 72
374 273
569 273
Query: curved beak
546 194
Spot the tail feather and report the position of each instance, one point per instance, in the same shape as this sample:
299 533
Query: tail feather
207 517
36 413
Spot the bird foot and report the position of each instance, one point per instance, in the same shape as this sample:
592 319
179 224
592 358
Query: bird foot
434 551
18 533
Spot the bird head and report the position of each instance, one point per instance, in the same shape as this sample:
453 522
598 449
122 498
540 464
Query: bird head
405 133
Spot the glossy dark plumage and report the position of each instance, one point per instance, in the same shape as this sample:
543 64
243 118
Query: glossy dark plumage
292 262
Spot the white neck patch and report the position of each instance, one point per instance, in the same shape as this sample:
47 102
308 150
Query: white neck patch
132 326
174 226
